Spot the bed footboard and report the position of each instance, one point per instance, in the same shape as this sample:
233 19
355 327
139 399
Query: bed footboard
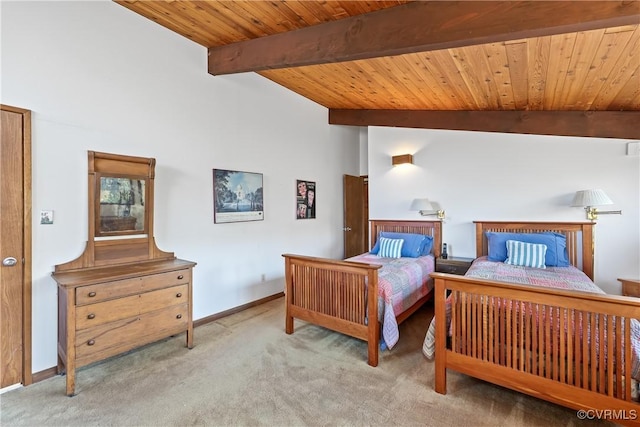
338 295
570 348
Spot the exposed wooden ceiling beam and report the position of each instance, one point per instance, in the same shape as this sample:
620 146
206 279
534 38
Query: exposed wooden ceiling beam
598 124
418 27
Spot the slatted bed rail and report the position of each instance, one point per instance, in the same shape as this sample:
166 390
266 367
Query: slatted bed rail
568 347
343 295
572 348
338 295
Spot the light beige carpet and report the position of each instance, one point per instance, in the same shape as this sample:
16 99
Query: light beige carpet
245 371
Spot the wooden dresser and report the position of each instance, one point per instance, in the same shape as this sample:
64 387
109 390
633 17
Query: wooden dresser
122 292
106 311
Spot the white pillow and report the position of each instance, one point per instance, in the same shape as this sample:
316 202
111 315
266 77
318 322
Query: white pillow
390 248
525 254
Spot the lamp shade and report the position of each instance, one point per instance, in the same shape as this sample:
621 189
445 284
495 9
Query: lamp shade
421 205
591 198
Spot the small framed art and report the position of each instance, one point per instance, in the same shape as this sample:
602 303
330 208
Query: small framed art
237 196
305 199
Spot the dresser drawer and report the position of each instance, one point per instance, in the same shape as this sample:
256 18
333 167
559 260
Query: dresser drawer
120 288
164 280
116 337
108 290
88 316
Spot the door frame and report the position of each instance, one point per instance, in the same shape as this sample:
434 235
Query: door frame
27 377
362 214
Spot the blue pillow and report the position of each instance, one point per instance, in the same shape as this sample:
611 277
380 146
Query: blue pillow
415 245
427 246
390 248
526 254
561 250
556 255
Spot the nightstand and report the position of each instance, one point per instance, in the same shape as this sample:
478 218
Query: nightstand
630 287
453 265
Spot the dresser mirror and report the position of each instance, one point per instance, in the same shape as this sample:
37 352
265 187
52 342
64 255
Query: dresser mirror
121 206
120 212
120 195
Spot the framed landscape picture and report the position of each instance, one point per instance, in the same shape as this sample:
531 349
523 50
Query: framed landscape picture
237 196
305 199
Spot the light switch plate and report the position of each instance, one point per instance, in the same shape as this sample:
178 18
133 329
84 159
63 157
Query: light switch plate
633 149
46 217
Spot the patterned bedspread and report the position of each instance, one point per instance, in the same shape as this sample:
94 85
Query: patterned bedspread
569 278
401 283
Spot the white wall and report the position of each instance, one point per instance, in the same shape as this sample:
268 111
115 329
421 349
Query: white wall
99 77
364 147
492 176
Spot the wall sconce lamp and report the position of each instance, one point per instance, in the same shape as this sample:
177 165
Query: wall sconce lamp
425 208
590 198
402 159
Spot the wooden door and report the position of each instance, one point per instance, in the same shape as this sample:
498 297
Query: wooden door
15 247
355 217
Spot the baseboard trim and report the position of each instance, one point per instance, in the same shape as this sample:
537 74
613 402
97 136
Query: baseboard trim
44 375
214 317
52 372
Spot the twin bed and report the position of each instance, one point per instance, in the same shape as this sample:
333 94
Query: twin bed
340 294
562 340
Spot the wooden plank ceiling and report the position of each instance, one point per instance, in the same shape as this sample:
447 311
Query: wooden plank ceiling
541 67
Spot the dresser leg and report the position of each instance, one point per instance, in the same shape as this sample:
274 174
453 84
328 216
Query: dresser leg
71 377
190 337
71 383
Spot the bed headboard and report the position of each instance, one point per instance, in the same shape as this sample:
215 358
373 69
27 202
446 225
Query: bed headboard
429 228
579 238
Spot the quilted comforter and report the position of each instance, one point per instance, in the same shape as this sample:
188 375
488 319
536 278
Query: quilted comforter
401 283
569 278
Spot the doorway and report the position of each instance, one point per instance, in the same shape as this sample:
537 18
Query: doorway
15 246
356 215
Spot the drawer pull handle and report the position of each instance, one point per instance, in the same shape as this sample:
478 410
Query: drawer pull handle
180 277
92 294
91 342
179 316
179 294
91 316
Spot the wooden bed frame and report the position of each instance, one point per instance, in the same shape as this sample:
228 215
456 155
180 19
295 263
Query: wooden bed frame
555 360
338 294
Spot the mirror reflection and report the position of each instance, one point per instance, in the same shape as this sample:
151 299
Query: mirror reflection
121 205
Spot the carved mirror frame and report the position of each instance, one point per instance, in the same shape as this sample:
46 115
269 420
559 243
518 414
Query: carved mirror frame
121 196
121 200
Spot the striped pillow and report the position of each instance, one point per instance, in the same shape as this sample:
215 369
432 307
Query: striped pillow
390 248
525 254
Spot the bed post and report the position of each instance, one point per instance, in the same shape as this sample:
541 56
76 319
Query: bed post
288 294
479 239
373 330
441 336
588 249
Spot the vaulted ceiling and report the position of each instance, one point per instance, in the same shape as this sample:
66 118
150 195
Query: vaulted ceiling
541 67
